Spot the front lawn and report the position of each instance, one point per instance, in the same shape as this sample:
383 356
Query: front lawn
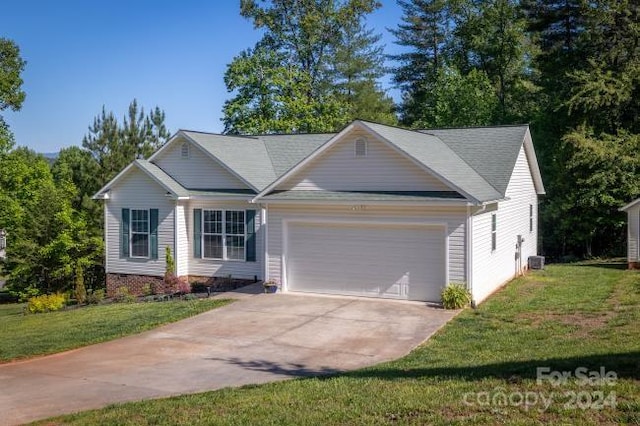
479 369
23 336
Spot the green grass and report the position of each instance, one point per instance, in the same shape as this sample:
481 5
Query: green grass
23 336
565 317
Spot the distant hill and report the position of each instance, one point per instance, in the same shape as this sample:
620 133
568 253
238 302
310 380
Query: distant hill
51 155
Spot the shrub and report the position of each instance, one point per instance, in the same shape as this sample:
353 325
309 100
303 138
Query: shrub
94 297
184 286
147 289
80 290
123 296
45 303
170 264
190 296
455 296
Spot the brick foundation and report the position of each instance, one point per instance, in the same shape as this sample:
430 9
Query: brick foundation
136 283
634 265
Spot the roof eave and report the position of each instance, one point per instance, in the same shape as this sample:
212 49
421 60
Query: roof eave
630 205
456 203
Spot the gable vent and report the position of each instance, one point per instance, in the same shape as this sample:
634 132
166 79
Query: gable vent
184 150
361 147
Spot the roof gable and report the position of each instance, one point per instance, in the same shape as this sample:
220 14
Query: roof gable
381 168
197 169
427 151
151 170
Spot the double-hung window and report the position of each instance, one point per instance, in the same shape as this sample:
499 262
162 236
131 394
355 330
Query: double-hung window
223 234
212 235
139 233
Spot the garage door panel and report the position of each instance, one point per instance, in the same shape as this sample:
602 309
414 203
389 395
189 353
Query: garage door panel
404 262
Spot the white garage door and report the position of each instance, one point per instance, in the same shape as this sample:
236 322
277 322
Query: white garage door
399 262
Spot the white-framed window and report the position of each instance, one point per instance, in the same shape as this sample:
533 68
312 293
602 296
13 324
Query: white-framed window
530 217
224 234
494 233
184 151
360 147
139 240
212 235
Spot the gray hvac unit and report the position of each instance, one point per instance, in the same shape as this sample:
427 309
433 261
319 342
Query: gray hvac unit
536 262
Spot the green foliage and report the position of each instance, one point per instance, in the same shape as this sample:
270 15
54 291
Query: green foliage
455 296
114 145
95 297
312 71
147 289
169 262
459 43
123 295
80 290
459 100
45 303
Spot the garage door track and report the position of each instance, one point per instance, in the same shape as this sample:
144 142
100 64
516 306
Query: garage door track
260 338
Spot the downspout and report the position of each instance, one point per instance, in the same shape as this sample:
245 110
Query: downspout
265 233
469 256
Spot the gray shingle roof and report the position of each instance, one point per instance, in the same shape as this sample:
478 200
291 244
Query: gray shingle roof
245 156
286 151
439 158
491 151
476 161
162 177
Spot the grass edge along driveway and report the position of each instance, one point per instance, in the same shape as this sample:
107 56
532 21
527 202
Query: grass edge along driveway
479 369
27 336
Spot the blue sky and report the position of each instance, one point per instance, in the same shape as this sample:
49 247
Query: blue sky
83 54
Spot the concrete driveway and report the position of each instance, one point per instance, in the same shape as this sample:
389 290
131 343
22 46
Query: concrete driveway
260 338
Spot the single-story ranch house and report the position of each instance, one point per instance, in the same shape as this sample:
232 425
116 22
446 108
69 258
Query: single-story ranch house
373 210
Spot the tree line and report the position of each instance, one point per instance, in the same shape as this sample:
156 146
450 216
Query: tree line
570 68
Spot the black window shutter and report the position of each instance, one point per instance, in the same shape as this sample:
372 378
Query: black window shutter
153 233
197 233
250 218
124 236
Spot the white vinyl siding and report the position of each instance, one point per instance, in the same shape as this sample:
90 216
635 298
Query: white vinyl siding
181 255
454 218
381 169
492 268
366 259
223 268
633 234
199 171
137 191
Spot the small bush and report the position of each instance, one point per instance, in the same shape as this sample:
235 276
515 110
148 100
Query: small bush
147 289
184 286
94 297
190 296
123 296
455 296
80 290
45 303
